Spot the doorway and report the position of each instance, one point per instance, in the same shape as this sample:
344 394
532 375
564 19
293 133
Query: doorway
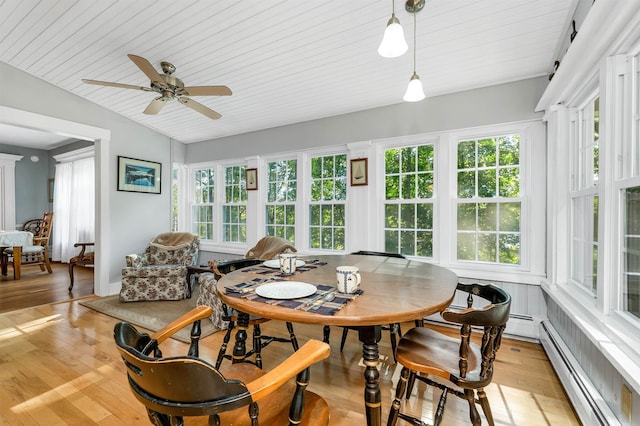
101 138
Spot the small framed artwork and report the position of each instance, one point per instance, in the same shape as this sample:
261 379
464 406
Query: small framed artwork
359 172
136 175
50 190
251 176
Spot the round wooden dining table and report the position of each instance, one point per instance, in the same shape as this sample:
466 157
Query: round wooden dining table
394 290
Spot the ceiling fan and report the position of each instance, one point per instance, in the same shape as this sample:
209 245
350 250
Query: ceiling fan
169 87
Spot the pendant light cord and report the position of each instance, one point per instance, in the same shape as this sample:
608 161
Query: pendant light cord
414 41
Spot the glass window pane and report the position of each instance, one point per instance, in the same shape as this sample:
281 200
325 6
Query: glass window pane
509 182
392 187
466 155
392 161
487 247
510 217
509 148
509 246
487 183
486 153
391 216
466 184
487 216
467 216
466 246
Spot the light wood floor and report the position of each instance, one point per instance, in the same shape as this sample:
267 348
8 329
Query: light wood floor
59 366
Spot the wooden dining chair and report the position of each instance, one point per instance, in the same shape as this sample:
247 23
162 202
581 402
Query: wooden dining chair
84 258
463 367
175 387
395 332
36 254
259 341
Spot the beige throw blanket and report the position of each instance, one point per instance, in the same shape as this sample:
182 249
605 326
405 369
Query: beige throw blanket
269 248
173 240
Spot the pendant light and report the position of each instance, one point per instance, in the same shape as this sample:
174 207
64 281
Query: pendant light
414 91
393 43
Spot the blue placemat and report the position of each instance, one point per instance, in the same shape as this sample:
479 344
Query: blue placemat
311 303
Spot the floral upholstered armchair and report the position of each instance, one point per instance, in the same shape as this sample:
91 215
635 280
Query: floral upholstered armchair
160 273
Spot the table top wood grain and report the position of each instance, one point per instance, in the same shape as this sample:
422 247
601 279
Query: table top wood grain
395 290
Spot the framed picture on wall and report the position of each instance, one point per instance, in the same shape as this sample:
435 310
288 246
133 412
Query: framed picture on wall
252 179
359 172
136 175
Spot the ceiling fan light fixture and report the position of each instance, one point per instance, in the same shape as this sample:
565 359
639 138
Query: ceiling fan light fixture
393 43
414 91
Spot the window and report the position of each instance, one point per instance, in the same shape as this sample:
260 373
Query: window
202 209
584 196
489 200
328 198
408 208
234 208
631 260
281 196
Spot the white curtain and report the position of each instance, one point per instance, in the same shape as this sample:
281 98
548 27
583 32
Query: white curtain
73 207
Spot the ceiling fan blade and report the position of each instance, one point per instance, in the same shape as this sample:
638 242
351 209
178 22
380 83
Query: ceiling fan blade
200 108
146 67
206 91
123 86
155 106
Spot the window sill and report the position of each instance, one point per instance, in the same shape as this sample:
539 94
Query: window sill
615 339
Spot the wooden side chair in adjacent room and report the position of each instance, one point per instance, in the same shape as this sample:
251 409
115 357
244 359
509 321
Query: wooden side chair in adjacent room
84 258
175 387
36 254
459 365
259 341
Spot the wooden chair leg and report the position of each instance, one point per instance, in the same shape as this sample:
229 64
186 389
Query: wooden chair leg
326 332
3 264
486 408
474 416
344 338
257 344
400 389
292 336
71 265
410 382
46 261
440 408
225 342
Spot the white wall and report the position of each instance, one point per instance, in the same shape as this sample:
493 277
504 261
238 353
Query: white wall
128 220
490 105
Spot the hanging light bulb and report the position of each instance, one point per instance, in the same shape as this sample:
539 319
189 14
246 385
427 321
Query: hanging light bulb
393 43
414 91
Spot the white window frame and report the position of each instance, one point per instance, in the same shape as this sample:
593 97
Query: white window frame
224 203
308 156
532 199
582 187
264 201
415 140
191 203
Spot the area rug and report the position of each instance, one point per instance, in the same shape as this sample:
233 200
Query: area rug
151 315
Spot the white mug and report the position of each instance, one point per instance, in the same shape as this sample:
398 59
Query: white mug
348 278
287 263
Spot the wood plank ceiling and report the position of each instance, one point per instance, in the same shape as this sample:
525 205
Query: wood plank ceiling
286 61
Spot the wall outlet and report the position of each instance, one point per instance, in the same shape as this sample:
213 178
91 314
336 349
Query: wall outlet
626 402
